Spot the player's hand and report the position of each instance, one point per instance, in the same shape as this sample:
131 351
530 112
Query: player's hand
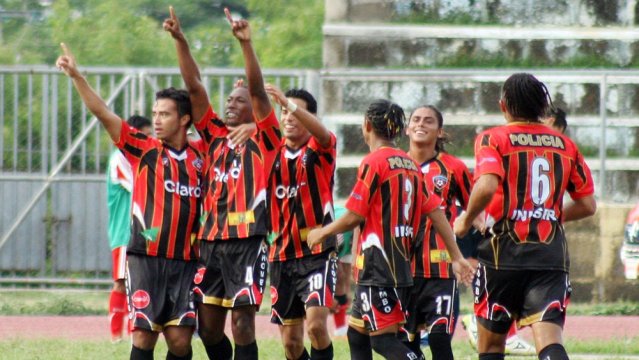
241 29
464 271
239 83
239 134
172 25
276 94
461 226
315 237
66 62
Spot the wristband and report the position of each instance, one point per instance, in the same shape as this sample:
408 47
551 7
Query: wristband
291 106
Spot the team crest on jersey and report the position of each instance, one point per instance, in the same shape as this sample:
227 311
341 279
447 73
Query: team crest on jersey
165 160
197 163
440 181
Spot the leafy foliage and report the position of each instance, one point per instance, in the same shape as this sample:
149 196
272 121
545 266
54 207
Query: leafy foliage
123 33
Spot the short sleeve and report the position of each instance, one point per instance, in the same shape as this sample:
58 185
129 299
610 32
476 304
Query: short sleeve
487 156
211 126
580 184
134 143
359 200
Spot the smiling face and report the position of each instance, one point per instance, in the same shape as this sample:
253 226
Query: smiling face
292 129
423 127
238 107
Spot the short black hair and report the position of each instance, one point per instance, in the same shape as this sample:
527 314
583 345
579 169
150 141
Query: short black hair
387 118
181 98
560 118
526 97
311 103
138 121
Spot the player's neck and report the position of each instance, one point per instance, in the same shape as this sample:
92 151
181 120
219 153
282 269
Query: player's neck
422 153
176 142
376 143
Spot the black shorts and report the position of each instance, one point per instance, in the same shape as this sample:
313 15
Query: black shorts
231 273
160 292
526 296
298 284
376 308
431 306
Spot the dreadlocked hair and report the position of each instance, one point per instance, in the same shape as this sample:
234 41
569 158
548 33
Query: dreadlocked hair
526 97
387 118
444 138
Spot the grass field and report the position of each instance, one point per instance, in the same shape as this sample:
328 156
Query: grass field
77 302
269 349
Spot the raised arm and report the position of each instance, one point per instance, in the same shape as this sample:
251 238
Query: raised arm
241 30
308 120
111 122
188 67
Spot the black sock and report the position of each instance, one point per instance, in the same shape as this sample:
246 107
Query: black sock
440 346
415 346
553 352
220 351
491 356
341 299
359 344
326 353
248 352
140 354
390 347
304 356
171 356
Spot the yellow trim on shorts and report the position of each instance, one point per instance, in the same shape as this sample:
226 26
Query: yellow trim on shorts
360 323
529 320
289 322
227 303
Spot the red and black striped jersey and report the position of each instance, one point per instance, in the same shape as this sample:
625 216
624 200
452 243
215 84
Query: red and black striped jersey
536 165
301 198
391 196
166 195
447 177
234 204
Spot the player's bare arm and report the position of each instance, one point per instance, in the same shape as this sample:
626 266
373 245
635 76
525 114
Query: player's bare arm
242 32
240 133
188 67
111 122
308 120
579 208
461 267
345 223
483 191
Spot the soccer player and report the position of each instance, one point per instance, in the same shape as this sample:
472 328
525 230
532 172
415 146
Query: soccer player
523 170
301 198
431 302
388 202
166 190
233 263
119 187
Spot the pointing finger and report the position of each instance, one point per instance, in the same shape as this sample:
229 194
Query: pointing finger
229 18
172 13
65 49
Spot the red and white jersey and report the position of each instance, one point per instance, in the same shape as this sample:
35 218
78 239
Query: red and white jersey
166 195
447 177
301 198
390 194
235 178
536 165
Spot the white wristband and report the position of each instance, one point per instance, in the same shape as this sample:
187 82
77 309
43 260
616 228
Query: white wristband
291 106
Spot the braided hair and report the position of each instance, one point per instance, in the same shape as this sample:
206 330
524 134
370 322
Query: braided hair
526 97
387 118
444 138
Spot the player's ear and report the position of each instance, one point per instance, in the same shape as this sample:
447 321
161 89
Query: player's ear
502 105
185 120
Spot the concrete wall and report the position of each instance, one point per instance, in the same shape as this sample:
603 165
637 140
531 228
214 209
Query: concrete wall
594 244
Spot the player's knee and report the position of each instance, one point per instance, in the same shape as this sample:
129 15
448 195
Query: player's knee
553 352
179 346
317 330
293 346
209 335
243 323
